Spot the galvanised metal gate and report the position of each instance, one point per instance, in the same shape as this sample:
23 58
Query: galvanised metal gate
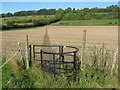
60 62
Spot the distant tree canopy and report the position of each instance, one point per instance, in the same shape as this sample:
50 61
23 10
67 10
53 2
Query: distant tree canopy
111 9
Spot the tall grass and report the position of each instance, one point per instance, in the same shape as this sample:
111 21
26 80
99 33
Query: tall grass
95 74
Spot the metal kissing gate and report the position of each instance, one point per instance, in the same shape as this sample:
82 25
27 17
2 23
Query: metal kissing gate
58 60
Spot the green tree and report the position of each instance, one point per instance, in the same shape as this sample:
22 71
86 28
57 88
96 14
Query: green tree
51 11
8 14
43 12
68 10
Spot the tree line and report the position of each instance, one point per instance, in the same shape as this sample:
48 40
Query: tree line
109 9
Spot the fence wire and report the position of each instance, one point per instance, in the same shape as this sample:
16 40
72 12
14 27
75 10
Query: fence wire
8 60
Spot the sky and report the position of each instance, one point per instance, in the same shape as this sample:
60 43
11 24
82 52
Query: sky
60 0
19 6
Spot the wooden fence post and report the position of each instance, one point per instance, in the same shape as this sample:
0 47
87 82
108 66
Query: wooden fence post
22 57
83 48
27 52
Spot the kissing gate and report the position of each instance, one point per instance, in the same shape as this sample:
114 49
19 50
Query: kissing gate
58 60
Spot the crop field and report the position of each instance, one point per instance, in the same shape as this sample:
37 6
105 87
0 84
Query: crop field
66 35
63 35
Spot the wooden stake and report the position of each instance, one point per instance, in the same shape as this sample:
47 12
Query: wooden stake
27 52
83 47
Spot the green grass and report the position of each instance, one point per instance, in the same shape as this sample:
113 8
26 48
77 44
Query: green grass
23 23
34 78
31 78
86 23
96 75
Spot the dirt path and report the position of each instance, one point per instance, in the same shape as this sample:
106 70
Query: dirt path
66 35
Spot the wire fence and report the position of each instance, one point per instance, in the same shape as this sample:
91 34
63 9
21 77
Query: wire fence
12 51
8 60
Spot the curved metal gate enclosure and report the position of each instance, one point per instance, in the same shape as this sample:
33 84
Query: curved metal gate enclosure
61 60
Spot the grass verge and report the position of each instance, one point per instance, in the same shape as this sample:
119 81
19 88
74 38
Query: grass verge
94 75
113 22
